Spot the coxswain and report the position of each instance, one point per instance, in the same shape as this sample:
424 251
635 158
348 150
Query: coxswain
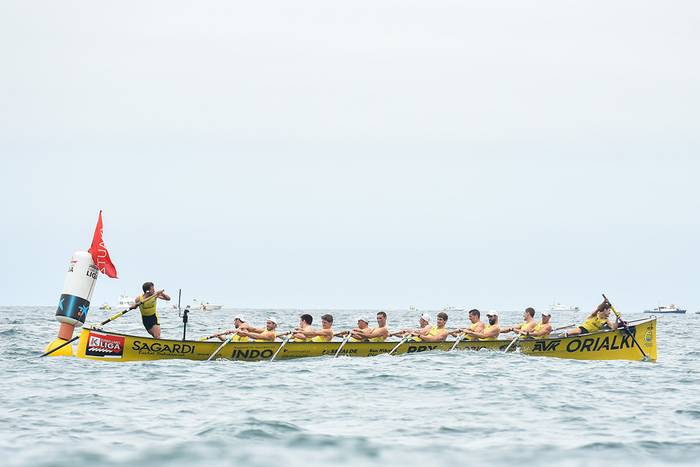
424 328
305 321
489 332
325 334
239 323
476 326
541 329
437 333
268 334
146 303
596 321
527 325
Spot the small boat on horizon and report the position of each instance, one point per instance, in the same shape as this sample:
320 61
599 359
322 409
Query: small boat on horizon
667 309
559 307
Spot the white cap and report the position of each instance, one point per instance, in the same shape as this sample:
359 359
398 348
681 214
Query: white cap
273 319
493 313
546 313
425 317
239 317
363 318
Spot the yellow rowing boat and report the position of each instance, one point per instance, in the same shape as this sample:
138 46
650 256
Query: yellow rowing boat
97 344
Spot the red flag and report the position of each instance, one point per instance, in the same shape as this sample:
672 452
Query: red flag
99 252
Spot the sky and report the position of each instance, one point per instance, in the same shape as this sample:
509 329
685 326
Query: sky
367 154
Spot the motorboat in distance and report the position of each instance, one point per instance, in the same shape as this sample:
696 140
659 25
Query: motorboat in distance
559 307
668 309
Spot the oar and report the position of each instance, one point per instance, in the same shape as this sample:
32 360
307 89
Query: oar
345 341
645 357
284 342
405 338
216 335
517 338
459 339
111 318
228 339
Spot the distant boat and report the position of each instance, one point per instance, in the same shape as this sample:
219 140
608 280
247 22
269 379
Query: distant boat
559 307
451 308
204 306
668 309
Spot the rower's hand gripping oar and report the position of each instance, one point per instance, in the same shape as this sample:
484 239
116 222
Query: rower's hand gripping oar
645 357
225 333
108 320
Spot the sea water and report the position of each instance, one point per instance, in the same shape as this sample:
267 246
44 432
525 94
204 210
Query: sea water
433 408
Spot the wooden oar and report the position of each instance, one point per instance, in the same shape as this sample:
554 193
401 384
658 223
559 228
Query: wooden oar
284 342
405 338
458 340
517 338
228 339
345 341
645 357
225 333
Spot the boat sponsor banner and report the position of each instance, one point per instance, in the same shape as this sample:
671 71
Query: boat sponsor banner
104 345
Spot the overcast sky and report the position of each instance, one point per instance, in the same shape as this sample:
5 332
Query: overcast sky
371 154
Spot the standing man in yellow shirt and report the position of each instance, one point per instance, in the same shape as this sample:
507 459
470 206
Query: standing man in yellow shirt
146 303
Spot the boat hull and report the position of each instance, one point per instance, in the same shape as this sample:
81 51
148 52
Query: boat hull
601 345
604 345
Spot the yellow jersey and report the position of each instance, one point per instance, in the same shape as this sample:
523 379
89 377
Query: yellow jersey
321 339
538 327
486 329
594 324
377 339
237 338
148 305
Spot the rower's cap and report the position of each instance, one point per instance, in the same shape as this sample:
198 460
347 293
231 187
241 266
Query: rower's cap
239 317
425 317
273 319
546 313
492 314
363 318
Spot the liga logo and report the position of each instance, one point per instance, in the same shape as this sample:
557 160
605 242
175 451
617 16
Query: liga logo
103 345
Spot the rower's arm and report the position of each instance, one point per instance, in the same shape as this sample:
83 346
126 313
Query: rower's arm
378 332
265 335
164 296
439 338
612 324
541 332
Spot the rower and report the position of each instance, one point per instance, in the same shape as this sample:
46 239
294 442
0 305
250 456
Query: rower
541 329
325 334
240 324
268 334
146 303
378 334
305 321
596 321
437 333
358 333
424 329
528 323
476 326
489 332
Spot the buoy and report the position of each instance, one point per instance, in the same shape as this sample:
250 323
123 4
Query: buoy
74 304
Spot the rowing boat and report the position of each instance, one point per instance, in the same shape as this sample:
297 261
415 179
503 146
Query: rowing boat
97 344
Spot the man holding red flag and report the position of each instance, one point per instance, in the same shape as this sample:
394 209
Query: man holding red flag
99 252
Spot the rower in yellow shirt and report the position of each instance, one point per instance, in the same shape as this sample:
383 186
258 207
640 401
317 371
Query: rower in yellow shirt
527 325
146 303
437 333
541 329
423 329
240 324
268 334
489 332
596 321
475 326
366 333
325 334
